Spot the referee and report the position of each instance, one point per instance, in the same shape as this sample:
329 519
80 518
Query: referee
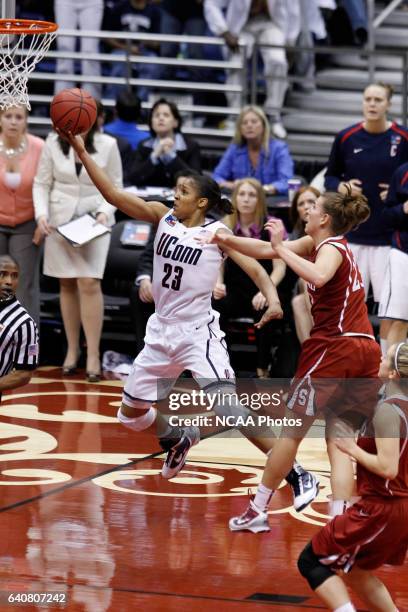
18 332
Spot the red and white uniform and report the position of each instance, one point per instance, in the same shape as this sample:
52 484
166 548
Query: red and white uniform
341 343
374 531
338 308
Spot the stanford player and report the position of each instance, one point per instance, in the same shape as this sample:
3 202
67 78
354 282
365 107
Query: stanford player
341 346
183 333
374 531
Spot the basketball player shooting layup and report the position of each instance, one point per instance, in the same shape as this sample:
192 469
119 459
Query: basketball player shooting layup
183 333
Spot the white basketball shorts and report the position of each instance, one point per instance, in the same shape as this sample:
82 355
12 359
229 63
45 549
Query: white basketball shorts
394 297
198 346
372 262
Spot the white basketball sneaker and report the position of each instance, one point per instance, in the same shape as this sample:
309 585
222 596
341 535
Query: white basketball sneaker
253 519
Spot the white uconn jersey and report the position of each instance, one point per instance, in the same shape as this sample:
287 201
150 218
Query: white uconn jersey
184 273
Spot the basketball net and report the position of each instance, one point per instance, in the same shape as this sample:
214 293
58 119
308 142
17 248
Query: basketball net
23 43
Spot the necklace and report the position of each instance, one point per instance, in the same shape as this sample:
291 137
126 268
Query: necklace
9 152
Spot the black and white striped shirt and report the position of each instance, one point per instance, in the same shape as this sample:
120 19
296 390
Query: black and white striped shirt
18 338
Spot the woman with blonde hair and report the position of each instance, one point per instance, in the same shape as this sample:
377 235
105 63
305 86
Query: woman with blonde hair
235 295
254 153
19 156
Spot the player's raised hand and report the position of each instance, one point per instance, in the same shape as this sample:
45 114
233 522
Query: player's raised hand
276 231
274 311
76 142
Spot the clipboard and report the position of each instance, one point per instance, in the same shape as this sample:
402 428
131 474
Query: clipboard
82 230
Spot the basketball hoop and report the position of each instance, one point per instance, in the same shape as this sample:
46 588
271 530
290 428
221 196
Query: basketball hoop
18 60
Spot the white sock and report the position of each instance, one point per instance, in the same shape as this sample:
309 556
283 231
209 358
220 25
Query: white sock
348 607
338 506
262 497
384 346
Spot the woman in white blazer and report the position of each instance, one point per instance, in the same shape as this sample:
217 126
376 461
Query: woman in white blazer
63 191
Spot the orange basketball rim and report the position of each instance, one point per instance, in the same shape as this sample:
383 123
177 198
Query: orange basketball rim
26 26
23 44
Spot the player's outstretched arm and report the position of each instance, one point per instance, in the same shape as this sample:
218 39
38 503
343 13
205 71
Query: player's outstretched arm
263 281
259 249
127 202
252 247
319 272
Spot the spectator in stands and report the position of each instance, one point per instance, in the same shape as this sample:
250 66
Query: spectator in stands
186 18
313 29
346 20
124 147
62 191
85 15
263 21
19 156
363 157
357 13
235 295
127 111
133 16
301 307
157 159
31 9
394 296
254 153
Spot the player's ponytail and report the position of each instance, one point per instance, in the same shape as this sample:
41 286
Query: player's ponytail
346 211
224 206
208 188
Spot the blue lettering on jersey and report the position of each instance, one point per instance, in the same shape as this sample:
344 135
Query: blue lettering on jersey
184 254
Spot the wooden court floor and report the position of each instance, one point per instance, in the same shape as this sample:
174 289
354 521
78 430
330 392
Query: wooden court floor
86 519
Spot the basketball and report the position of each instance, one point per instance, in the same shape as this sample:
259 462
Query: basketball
73 110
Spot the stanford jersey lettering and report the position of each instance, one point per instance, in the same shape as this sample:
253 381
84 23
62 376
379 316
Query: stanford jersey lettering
184 254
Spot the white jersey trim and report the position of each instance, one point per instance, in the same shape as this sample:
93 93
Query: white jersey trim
357 334
330 239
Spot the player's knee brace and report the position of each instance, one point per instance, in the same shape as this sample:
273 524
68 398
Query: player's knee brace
311 569
138 423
